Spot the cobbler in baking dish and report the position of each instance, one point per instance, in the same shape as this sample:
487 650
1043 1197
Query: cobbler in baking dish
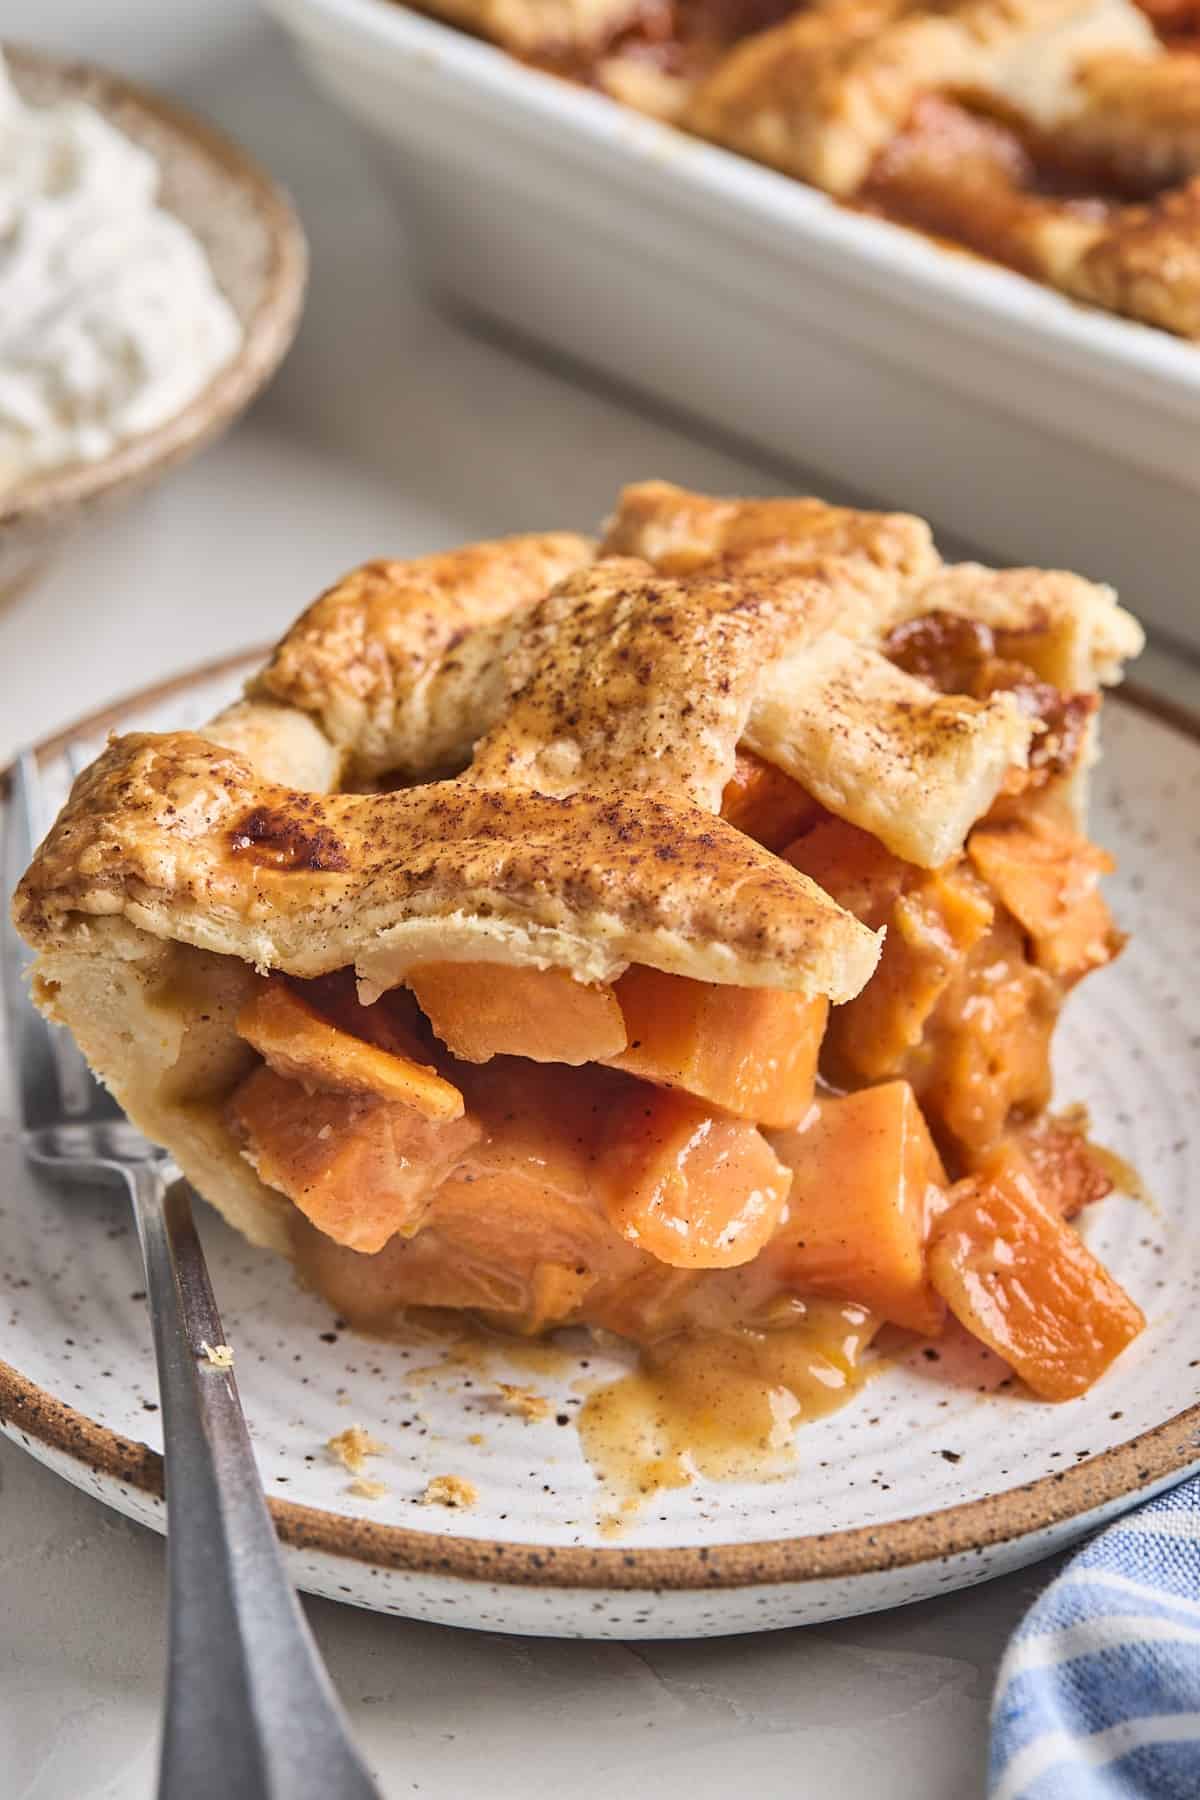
1061 137
664 936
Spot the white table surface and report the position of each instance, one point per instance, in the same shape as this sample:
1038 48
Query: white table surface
392 431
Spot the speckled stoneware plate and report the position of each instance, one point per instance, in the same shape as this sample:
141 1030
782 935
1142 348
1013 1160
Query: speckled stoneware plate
932 1477
255 245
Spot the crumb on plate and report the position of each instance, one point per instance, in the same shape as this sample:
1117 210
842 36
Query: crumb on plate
449 1490
220 1356
353 1446
366 1489
525 1401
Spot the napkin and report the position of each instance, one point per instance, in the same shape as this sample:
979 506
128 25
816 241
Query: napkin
1098 1696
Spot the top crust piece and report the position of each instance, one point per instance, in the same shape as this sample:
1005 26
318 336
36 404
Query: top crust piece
846 95
373 660
820 95
601 701
186 842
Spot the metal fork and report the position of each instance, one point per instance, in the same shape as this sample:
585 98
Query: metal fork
250 1711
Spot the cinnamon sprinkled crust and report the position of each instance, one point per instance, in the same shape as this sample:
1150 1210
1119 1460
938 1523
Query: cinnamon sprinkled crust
1147 264
624 680
598 705
185 842
372 661
680 532
1139 115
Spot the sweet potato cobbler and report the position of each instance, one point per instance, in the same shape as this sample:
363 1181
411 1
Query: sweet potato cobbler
662 935
1061 137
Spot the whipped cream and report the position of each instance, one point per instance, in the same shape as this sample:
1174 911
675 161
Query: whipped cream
110 320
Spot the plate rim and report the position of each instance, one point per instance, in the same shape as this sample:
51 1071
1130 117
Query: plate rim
1151 1459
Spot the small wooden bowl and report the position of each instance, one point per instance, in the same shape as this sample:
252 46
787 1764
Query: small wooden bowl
256 248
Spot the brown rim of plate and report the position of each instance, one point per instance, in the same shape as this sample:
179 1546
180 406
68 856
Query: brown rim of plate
1153 1458
266 334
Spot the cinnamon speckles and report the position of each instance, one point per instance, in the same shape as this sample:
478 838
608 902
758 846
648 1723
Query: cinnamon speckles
355 658
305 883
594 708
629 680
288 837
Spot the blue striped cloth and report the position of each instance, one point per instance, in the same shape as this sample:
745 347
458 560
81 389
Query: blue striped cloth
1098 1696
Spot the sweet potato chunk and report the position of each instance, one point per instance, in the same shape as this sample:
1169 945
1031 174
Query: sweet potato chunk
481 1010
984 1062
865 1182
359 1167
853 867
693 1189
931 931
518 1229
526 1194
750 1051
955 1007
1048 879
371 1292
1067 1171
767 804
1025 1284
298 1042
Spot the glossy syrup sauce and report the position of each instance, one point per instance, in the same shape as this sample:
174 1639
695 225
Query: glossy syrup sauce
724 1405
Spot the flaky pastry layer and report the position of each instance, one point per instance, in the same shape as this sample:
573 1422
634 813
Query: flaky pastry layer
562 723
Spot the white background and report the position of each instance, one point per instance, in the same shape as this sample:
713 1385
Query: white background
391 432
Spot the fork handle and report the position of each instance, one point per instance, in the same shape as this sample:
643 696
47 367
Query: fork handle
250 1711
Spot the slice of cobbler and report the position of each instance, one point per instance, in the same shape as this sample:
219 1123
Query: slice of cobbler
656 936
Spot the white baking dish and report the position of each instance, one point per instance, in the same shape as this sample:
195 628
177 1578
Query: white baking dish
1034 428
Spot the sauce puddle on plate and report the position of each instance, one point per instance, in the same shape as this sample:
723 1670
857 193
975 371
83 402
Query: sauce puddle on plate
720 1403
724 1405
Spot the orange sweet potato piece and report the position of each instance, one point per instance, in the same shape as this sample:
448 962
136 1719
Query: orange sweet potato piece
767 804
359 1167
298 1042
481 1010
1023 1282
392 1022
371 1291
866 1180
1067 1171
518 1230
931 931
695 1190
985 1059
750 1051
526 1194
1047 877
853 867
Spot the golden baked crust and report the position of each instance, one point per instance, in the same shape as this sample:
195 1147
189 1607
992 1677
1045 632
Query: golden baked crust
1069 630
540 28
1088 109
373 659
680 532
624 679
186 841
156 1020
1137 115
1147 264
822 94
599 706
